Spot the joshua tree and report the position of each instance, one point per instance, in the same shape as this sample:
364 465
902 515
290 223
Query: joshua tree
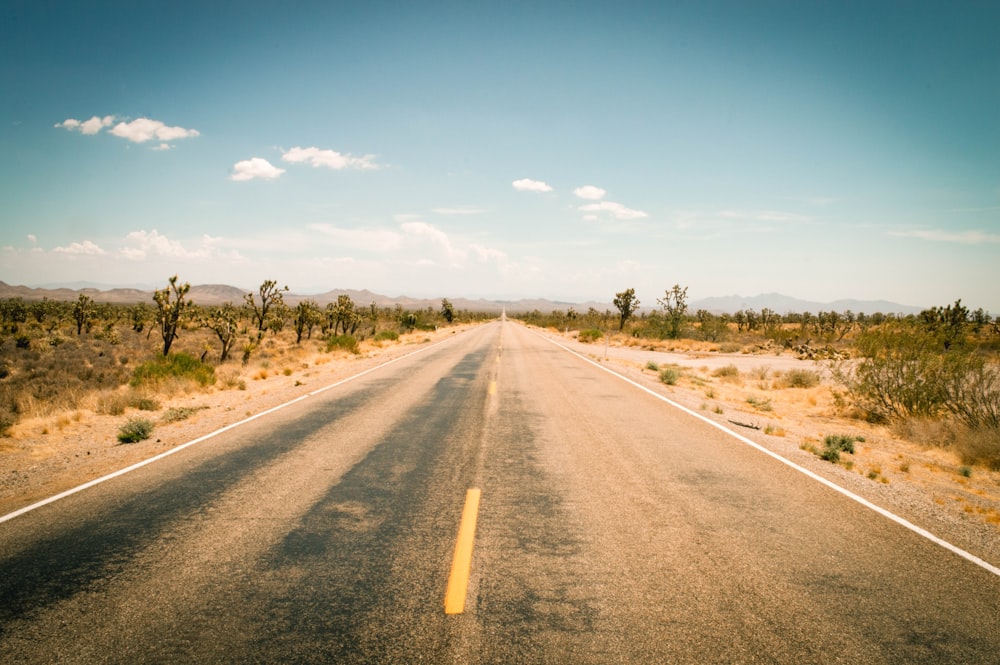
170 308
270 296
627 303
674 304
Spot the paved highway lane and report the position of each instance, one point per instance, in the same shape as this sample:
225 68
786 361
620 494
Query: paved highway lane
611 528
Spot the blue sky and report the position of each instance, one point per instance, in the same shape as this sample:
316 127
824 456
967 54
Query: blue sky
822 150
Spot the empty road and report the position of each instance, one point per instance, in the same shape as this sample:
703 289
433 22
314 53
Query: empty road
610 528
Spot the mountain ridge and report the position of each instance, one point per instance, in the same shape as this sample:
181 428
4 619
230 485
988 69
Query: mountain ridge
217 294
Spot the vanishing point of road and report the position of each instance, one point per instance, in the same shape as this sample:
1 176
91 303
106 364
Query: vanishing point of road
567 516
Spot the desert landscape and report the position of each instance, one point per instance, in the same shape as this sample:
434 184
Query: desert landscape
785 399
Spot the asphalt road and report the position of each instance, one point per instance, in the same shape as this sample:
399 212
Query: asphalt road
612 528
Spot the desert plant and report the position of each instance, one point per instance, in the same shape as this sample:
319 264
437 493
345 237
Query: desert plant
224 322
626 303
760 404
669 375
170 308
7 421
727 372
270 297
801 378
834 444
447 310
175 414
674 304
177 365
342 342
134 430
590 335
387 335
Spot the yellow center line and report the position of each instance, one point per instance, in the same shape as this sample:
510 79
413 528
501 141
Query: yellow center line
458 581
493 388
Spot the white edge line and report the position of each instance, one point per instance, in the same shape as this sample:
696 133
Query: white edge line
177 449
832 485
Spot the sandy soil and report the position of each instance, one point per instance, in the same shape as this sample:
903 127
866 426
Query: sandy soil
926 486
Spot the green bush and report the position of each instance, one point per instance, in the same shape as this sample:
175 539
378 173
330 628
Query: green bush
387 336
342 342
590 335
176 365
135 429
834 444
906 373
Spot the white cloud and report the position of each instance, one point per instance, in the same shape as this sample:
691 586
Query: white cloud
89 127
528 185
487 254
459 211
960 237
141 130
163 146
590 192
331 159
81 248
143 245
255 167
616 210
375 240
140 244
422 231
32 238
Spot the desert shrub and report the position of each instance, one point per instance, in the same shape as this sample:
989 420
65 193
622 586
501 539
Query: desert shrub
590 335
111 403
980 446
174 366
906 374
972 390
652 366
834 444
727 372
387 336
343 342
7 420
144 403
669 375
175 414
761 404
801 378
135 429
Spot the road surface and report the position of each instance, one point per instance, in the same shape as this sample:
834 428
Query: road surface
611 528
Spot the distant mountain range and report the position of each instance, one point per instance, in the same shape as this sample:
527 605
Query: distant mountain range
785 304
216 294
